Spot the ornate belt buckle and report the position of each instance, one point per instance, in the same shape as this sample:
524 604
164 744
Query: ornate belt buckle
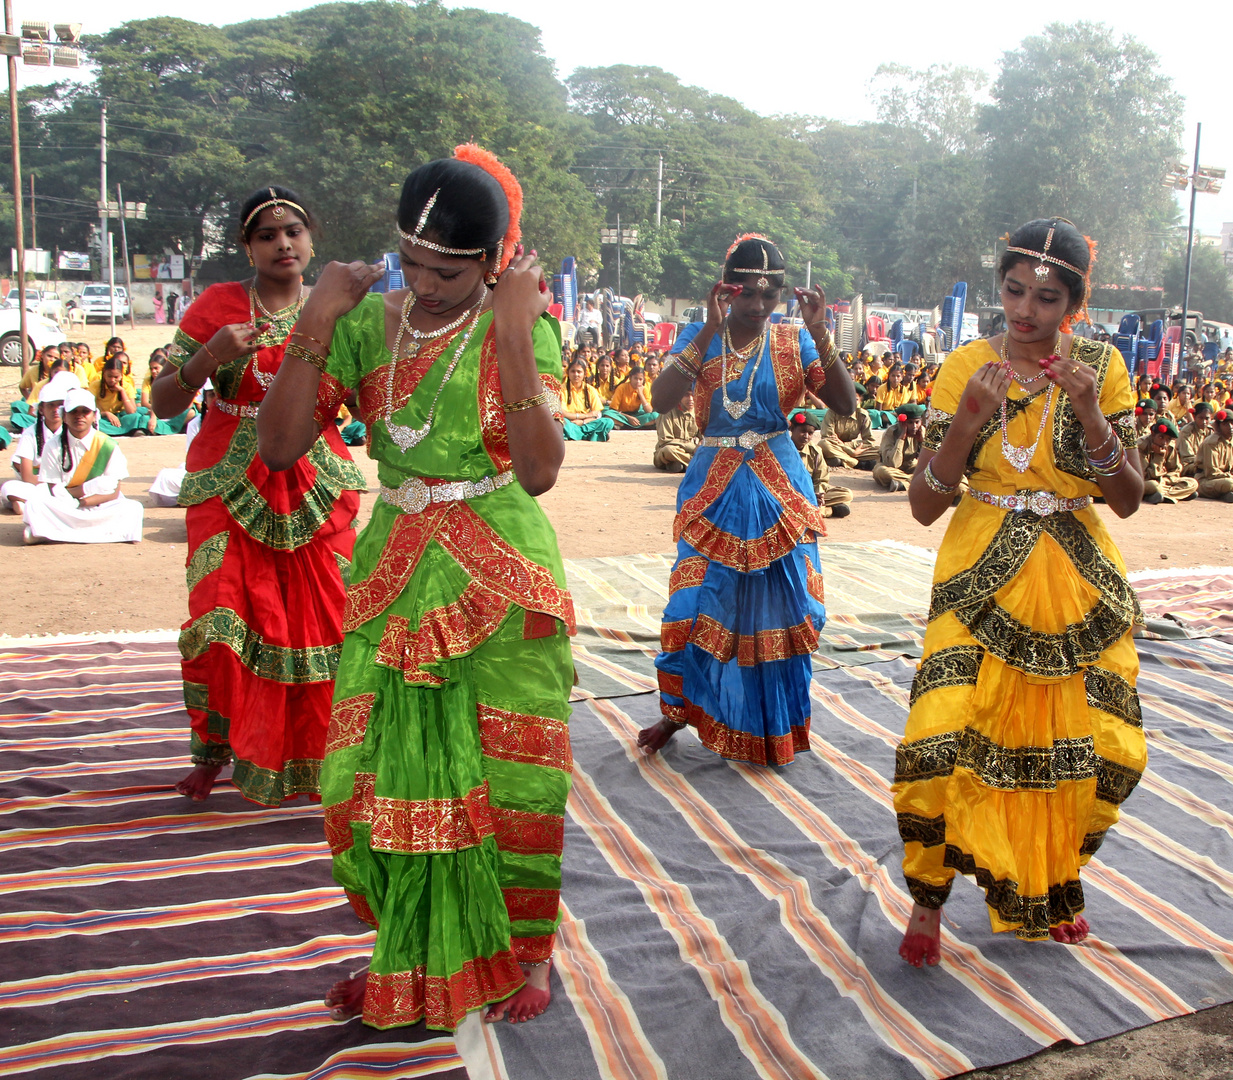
747 440
1041 503
414 495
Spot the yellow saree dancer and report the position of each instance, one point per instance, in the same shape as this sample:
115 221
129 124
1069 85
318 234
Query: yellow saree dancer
1024 734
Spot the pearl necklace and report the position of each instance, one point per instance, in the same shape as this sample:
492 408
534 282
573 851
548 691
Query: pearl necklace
266 378
403 435
1020 457
737 409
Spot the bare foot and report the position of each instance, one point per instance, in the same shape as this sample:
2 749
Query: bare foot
657 736
528 1002
346 999
922 939
1070 933
198 784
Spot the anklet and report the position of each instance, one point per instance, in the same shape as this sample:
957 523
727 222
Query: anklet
534 963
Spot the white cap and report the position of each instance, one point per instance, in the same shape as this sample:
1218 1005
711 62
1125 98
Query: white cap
77 398
57 386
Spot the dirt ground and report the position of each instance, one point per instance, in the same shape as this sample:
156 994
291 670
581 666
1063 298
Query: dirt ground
609 500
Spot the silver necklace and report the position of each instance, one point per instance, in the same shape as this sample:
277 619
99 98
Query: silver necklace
291 312
737 409
1023 384
403 435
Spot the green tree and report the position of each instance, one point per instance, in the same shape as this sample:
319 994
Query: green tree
1083 125
1210 288
939 102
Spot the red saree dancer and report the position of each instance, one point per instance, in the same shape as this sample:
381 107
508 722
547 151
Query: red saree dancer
267 552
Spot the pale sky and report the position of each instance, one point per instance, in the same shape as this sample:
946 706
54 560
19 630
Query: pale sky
812 58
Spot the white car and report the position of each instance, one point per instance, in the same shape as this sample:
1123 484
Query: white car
41 303
42 332
98 301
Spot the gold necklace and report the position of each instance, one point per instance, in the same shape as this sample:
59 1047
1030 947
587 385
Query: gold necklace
403 435
737 409
1024 383
289 314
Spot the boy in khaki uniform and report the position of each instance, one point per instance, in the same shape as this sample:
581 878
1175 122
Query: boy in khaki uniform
1162 467
677 437
835 501
1215 466
1191 436
848 440
900 448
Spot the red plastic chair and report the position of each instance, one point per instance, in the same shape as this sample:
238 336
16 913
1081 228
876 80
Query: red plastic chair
665 335
556 310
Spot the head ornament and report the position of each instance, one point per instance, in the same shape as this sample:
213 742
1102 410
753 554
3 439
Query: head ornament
278 203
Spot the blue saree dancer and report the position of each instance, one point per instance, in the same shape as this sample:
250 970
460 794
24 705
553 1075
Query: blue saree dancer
745 595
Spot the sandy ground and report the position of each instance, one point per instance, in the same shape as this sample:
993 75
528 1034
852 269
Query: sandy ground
609 500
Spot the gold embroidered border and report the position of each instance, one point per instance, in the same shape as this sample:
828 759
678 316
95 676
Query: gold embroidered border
723 644
208 751
409 536
453 630
406 997
1069 453
531 905
1091 842
427 826
1115 782
785 346
1112 694
330 395
743 745
958 665
1032 916
1026 768
674 636
527 833
722 469
671 684
815 584
222 626
492 405
928 896
532 950
688 573
269 787
348 722
523 737
207 558
928 832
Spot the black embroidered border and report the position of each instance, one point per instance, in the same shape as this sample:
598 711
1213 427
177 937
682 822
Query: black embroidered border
958 665
1114 695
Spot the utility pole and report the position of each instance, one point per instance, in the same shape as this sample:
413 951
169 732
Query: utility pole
18 227
128 277
104 245
34 217
619 293
1194 190
659 192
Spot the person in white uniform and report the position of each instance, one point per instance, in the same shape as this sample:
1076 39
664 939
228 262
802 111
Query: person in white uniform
29 450
165 491
82 469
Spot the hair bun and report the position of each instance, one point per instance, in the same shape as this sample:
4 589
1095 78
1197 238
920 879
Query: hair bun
492 165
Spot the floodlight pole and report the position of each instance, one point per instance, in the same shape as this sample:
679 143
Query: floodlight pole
19 227
1194 191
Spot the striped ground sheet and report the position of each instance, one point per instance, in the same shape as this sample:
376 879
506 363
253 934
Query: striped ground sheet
1198 601
721 921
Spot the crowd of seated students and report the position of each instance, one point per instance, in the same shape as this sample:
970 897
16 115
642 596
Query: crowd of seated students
618 380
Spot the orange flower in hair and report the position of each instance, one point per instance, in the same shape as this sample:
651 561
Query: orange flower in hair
492 165
746 236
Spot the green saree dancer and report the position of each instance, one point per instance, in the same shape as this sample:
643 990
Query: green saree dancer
447 760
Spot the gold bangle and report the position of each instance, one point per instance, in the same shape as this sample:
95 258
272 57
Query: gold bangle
184 384
541 398
309 337
307 355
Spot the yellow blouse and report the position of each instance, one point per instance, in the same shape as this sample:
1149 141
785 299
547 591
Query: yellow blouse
890 399
625 399
580 401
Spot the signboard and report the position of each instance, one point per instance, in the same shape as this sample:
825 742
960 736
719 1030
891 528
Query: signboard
38 261
158 267
73 260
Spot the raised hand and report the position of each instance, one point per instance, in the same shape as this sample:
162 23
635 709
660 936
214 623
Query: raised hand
341 286
229 343
1077 379
717 303
983 395
521 294
813 308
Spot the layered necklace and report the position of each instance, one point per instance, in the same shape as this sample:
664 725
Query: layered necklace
1020 457
403 435
281 323
737 409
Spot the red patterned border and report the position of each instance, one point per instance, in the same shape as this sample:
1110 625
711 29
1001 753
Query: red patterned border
799 507
671 684
392 648
338 817
786 360
406 997
759 647
491 405
526 833
429 826
744 746
479 550
525 905
359 904
674 636
688 573
815 377
814 582
348 722
408 538
721 472
453 630
745 555
330 394
374 397
533 740
533 950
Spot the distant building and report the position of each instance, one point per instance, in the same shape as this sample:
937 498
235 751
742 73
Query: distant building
1226 242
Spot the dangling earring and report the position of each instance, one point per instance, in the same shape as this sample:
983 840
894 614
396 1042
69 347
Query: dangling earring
312 251
490 278
249 252
494 271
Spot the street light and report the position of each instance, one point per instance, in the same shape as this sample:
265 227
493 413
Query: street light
32 45
1210 181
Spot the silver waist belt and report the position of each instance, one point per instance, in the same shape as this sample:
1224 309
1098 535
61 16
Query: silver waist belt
746 440
413 495
249 409
1041 503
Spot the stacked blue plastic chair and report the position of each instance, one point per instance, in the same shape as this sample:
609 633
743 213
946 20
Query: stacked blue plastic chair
952 315
569 288
393 275
1147 348
1126 340
906 349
